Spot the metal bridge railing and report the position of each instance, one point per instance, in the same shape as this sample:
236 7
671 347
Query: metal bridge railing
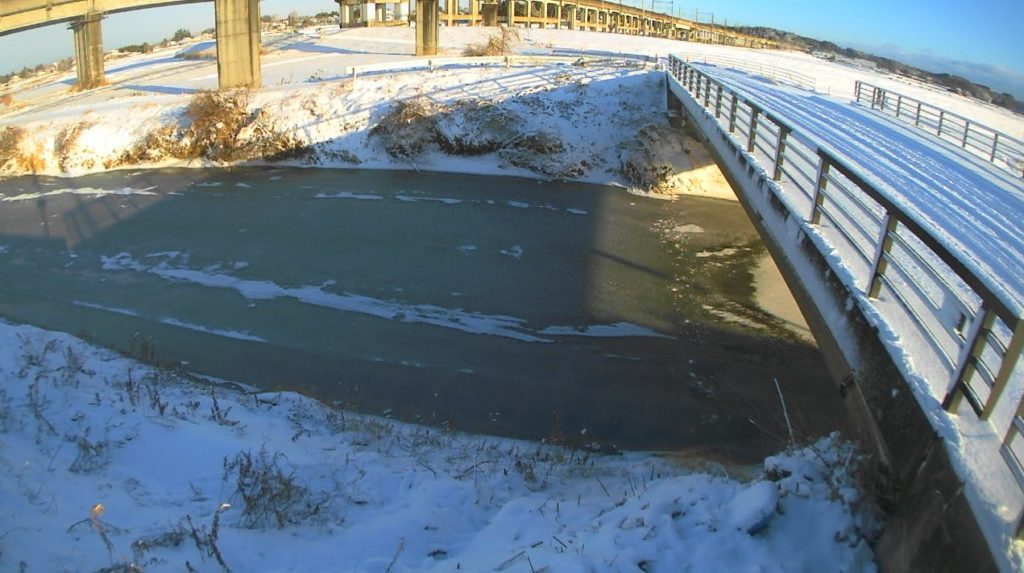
993 145
780 75
904 270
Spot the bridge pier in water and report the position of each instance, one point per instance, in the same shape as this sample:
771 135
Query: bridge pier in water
238 43
427 26
88 50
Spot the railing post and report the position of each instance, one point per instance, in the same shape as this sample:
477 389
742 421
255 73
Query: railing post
821 182
974 345
752 134
967 129
732 114
884 248
917 116
1011 458
707 94
856 91
995 144
899 104
780 150
1013 351
718 103
942 116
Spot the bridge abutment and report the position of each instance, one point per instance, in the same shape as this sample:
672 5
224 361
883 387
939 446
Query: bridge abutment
88 50
238 43
427 25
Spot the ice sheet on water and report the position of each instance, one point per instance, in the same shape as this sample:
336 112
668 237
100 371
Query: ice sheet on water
88 191
318 295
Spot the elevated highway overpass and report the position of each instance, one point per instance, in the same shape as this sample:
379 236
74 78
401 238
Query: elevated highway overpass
238 25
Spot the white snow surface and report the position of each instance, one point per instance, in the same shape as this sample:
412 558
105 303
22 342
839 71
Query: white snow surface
110 463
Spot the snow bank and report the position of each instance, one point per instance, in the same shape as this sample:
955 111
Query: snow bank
109 463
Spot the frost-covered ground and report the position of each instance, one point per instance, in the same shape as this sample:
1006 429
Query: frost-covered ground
110 464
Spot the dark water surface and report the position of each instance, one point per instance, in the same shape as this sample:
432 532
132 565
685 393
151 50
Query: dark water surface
568 312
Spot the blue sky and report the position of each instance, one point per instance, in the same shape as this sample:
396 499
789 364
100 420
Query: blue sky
981 40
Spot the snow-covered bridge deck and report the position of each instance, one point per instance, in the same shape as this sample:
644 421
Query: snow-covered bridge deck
926 239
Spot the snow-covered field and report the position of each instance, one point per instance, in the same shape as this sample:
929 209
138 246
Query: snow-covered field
108 462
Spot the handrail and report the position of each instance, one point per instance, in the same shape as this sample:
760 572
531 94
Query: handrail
776 73
984 141
980 331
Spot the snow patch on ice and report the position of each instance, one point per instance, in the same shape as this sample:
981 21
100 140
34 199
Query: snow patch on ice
515 251
350 195
688 229
210 330
616 330
414 199
457 319
113 309
87 191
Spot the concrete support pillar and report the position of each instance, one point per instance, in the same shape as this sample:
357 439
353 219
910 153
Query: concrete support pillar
489 13
345 15
511 13
238 43
88 50
572 18
427 27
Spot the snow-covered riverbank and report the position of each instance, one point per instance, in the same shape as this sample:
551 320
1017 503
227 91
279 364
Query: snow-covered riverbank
112 464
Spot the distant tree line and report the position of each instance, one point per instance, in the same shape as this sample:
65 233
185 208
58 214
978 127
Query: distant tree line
951 82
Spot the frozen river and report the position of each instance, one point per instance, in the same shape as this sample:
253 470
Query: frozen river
565 312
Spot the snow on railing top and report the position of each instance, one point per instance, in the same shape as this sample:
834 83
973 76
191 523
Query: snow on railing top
966 334
996 146
781 75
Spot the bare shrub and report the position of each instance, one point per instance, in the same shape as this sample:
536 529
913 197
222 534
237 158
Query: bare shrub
91 456
271 495
475 127
219 127
407 129
65 142
264 140
10 138
162 142
217 119
499 44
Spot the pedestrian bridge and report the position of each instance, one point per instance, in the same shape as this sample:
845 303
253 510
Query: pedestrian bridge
898 225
